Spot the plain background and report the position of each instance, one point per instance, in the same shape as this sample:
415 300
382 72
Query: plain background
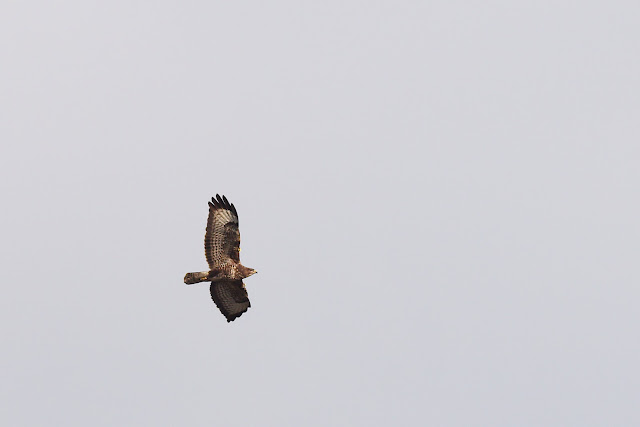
441 199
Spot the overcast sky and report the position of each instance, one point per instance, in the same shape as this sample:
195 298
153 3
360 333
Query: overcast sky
441 199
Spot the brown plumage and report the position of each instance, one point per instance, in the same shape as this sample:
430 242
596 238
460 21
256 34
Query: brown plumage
222 250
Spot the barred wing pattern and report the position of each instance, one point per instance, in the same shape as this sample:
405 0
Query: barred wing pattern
231 298
222 239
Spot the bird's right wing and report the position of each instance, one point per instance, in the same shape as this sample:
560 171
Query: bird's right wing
222 239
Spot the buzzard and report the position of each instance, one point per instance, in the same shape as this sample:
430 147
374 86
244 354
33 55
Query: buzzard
222 250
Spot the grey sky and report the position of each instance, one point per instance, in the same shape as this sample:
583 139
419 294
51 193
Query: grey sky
441 198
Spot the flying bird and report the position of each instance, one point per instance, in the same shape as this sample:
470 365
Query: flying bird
222 250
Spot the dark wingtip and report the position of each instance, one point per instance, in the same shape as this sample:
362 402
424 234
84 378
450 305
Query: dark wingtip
231 318
221 202
217 202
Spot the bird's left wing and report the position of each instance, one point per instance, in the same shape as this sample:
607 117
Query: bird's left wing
231 298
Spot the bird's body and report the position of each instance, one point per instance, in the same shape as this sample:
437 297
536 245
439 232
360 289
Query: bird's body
222 250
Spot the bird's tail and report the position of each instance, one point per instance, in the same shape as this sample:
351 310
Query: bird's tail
191 278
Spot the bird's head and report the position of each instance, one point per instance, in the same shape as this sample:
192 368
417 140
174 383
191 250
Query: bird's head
246 271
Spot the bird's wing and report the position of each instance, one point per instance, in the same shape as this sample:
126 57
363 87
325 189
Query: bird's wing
222 239
231 298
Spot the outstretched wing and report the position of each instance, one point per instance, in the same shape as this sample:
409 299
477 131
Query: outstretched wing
222 240
231 298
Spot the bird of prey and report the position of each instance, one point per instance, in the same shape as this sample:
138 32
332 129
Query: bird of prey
222 250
